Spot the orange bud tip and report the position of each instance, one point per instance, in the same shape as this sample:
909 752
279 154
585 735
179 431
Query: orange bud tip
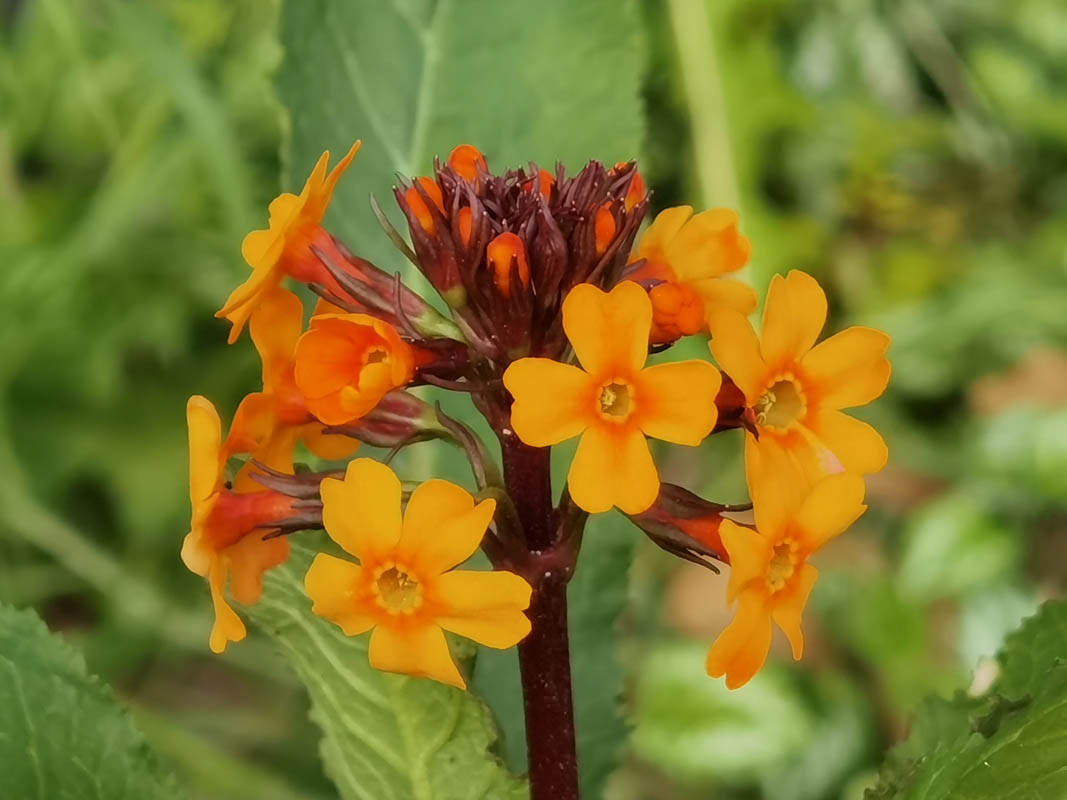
464 223
604 225
466 160
418 205
502 252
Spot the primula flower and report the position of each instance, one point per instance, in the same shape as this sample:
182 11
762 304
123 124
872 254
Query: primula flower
268 424
685 257
226 539
405 587
284 248
346 363
770 577
797 390
613 401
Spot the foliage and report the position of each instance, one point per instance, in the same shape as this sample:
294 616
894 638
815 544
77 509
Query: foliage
1006 743
64 735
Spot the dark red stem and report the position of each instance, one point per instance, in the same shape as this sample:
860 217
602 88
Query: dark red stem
544 656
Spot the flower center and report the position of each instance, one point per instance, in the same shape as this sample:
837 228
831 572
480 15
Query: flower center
398 592
616 400
781 566
375 355
782 404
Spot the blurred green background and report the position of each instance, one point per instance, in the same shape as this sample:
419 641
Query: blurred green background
912 155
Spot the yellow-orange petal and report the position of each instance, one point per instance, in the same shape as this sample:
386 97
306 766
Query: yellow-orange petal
275 326
249 558
833 504
205 443
776 482
708 245
420 651
850 368
857 446
330 446
252 423
676 402
319 189
608 330
613 467
335 587
750 553
726 293
553 401
484 606
228 626
442 527
262 248
662 231
195 555
789 606
741 649
736 348
793 317
362 512
242 300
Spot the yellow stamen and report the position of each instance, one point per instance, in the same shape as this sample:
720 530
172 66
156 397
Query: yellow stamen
782 404
397 591
616 400
781 566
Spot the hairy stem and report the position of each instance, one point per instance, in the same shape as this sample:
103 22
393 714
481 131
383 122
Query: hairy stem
545 665
544 656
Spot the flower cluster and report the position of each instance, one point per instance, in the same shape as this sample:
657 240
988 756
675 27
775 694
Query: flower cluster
553 307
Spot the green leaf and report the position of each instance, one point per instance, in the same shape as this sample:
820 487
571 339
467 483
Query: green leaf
694 728
953 546
385 737
596 598
62 734
1009 743
547 81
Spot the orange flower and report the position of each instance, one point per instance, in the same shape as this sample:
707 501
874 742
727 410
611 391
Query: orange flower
225 540
284 248
770 576
405 587
613 401
797 390
268 424
690 254
345 364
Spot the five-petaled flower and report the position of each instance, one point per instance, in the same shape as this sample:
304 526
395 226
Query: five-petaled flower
613 401
268 424
685 257
346 363
228 527
284 248
797 388
405 587
770 577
